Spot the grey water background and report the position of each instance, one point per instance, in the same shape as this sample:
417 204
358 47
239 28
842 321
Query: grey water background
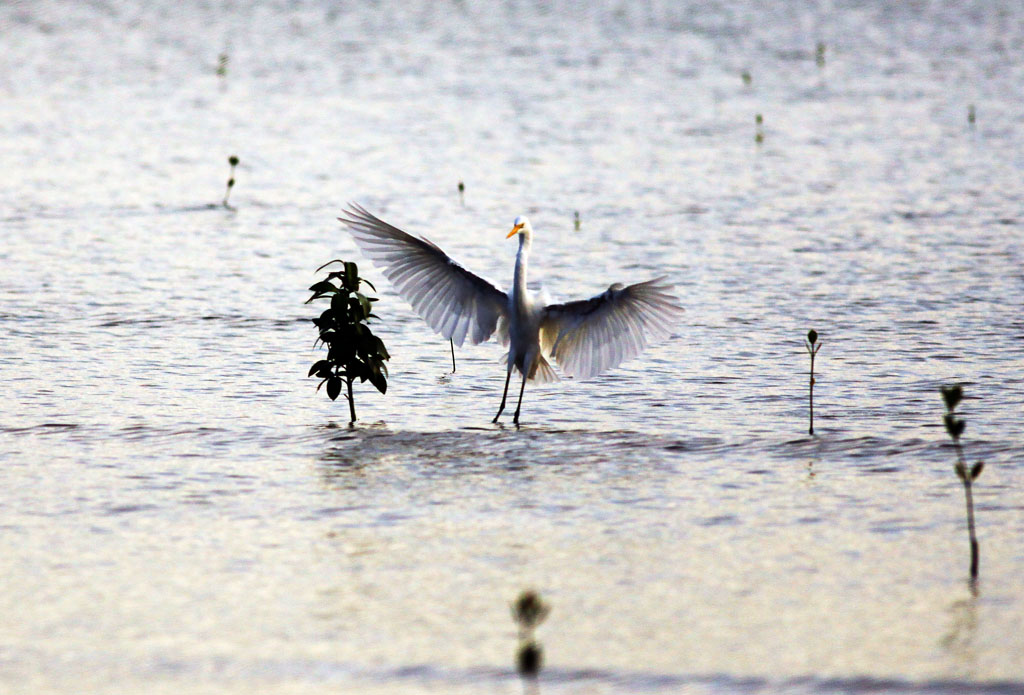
180 512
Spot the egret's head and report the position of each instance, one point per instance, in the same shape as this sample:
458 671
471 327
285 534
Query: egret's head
521 226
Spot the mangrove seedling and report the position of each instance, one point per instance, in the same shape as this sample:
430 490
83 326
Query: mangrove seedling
529 611
819 54
353 351
576 220
971 115
952 395
812 346
462 193
233 161
222 65
747 79
758 129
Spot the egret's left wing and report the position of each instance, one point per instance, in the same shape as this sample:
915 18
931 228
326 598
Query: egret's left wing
593 335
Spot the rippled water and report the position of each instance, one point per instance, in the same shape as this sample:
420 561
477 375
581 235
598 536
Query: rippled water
180 512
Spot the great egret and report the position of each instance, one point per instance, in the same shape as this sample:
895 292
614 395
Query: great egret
585 337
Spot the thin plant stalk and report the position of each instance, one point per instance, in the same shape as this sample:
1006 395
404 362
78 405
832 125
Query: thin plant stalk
452 343
965 478
812 346
955 427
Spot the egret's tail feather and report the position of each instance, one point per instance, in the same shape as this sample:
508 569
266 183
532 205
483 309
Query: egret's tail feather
543 372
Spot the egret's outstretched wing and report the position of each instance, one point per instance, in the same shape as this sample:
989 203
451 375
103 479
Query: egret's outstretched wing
593 335
453 301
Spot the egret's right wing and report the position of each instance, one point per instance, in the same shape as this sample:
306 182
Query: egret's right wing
453 301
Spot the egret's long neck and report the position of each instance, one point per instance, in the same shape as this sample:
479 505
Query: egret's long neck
521 262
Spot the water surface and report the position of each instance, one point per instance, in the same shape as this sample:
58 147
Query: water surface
180 512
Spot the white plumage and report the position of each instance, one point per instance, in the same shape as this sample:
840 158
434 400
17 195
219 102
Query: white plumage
586 337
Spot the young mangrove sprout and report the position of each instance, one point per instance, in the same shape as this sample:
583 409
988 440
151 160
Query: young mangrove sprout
529 611
576 220
233 161
952 395
747 79
971 115
819 54
462 195
222 65
758 129
812 346
353 351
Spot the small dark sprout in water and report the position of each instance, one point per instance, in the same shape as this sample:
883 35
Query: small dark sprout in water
813 346
222 65
529 659
819 54
747 79
529 610
233 161
759 129
576 220
971 115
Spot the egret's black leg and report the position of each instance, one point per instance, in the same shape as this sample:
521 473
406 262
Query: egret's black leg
453 354
503 395
515 418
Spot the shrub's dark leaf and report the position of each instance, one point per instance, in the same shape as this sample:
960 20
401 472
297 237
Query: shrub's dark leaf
952 395
318 366
339 307
365 304
323 287
336 260
960 472
371 287
333 387
351 275
976 469
380 381
954 425
812 336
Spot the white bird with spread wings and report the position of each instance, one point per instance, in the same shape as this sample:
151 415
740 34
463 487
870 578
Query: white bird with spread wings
586 337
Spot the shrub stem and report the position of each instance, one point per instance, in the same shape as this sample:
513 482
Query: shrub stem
351 400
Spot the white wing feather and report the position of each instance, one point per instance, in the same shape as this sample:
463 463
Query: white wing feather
591 336
452 300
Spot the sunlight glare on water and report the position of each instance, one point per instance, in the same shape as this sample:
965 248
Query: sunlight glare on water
181 512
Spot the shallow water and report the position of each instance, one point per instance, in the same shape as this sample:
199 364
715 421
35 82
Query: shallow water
180 512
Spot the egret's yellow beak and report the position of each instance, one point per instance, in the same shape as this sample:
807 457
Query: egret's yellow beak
515 230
